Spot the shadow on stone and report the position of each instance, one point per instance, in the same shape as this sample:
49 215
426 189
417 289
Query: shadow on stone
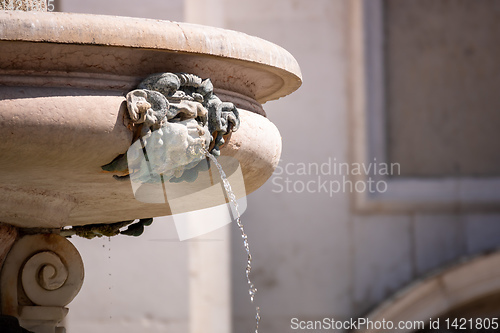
10 324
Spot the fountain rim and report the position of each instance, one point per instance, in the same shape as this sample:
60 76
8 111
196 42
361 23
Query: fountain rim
169 36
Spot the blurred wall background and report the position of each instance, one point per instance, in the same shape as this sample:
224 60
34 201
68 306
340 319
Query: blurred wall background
407 82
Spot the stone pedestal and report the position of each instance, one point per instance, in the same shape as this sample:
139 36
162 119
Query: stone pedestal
40 275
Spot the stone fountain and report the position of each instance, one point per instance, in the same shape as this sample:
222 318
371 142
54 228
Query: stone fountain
83 98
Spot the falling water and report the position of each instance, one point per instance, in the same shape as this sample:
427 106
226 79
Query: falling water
232 198
109 277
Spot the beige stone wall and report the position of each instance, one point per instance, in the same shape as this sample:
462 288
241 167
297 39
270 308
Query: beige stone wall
316 255
442 87
303 253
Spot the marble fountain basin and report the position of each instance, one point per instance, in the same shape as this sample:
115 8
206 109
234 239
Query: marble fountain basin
63 81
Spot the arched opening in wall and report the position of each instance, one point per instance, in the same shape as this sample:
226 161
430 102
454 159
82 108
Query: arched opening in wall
468 291
476 316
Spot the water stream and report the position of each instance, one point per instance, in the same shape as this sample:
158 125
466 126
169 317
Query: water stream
232 198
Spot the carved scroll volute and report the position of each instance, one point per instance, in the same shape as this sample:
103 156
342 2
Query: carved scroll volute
40 276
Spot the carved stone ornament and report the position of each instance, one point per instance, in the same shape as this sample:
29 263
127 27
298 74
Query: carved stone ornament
40 276
176 118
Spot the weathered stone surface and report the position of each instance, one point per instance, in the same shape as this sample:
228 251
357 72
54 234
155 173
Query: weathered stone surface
8 235
50 179
257 147
135 48
24 5
62 107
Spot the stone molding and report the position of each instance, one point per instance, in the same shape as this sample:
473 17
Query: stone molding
468 280
233 60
